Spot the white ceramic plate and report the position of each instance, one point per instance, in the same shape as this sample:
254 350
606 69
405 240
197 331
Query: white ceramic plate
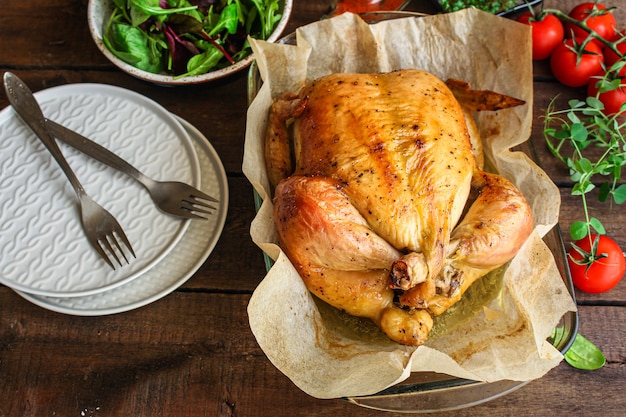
43 246
175 268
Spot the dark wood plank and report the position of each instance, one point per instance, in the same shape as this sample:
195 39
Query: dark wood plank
57 33
51 34
237 264
193 354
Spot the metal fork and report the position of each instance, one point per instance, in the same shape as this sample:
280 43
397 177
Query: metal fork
172 197
102 230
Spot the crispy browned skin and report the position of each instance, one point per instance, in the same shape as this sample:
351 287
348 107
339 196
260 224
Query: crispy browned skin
391 153
339 258
382 170
481 100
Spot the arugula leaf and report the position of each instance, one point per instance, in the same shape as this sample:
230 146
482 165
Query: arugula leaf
268 12
491 6
228 20
200 64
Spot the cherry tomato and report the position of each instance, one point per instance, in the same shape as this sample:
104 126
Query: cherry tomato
568 71
612 99
547 33
604 24
601 265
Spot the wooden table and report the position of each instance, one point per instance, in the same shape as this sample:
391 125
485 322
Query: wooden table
192 352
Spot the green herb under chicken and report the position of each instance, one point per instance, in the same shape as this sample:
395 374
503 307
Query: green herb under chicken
491 6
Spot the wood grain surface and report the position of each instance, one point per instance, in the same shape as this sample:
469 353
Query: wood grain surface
192 353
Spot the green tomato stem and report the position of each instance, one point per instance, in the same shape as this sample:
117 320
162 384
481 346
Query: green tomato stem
583 25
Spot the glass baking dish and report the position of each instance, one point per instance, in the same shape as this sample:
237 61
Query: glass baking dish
428 392
425 392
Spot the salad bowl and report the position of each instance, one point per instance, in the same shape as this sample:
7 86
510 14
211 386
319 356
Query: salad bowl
99 14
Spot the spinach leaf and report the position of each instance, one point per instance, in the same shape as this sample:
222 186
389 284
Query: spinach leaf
133 46
583 354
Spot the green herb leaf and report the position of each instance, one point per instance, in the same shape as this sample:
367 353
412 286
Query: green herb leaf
572 115
579 132
604 192
597 225
583 354
578 230
594 103
619 194
581 126
584 164
583 187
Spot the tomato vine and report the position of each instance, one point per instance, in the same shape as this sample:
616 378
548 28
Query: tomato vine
573 132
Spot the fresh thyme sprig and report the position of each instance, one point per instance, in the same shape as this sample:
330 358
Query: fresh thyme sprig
584 125
574 130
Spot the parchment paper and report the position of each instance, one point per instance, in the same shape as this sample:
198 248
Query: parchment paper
324 353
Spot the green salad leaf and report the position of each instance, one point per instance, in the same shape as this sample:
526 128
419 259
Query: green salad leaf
228 20
134 47
187 37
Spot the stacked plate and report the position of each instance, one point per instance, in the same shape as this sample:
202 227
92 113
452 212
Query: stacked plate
45 256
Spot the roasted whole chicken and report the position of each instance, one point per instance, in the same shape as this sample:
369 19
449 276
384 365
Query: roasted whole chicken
380 200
